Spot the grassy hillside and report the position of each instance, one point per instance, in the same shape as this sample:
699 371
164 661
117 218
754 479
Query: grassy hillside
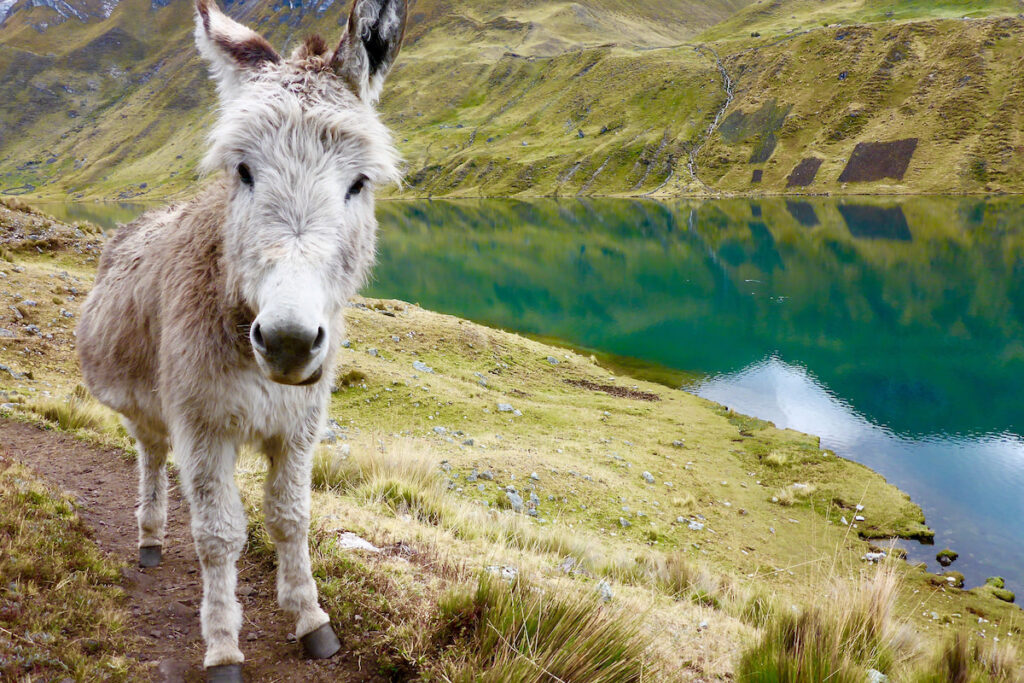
602 97
708 530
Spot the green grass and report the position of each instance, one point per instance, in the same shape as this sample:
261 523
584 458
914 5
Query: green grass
490 100
62 612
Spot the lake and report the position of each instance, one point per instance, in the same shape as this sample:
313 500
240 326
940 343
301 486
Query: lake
892 329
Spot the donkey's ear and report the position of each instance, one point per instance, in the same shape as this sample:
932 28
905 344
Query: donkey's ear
231 48
370 45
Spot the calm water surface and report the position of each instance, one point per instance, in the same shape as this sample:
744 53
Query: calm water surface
894 330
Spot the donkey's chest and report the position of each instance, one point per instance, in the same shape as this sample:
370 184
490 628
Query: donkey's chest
252 408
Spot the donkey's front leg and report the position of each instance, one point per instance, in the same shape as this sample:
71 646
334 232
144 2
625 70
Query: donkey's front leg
286 510
218 527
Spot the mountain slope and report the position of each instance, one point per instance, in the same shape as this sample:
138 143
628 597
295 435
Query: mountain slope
555 98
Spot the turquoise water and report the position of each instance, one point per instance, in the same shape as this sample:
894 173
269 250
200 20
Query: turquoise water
894 330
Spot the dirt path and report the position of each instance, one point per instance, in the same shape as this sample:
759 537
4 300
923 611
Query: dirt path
165 600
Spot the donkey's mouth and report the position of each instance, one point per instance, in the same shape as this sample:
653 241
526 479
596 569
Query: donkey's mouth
312 379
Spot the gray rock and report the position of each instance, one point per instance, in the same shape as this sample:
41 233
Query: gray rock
604 589
515 500
624 523
346 344
696 526
373 352
648 477
873 558
535 476
505 408
420 366
487 475
552 360
6 333
534 499
875 676
440 430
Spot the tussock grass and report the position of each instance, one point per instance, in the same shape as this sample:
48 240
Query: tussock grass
519 633
962 659
850 631
776 459
61 613
790 495
75 412
15 204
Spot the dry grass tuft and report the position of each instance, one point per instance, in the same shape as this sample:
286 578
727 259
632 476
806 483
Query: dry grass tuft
962 659
794 493
518 632
76 412
776 459
850 631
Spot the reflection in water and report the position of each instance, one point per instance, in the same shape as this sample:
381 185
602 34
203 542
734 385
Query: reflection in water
876 222
977 515
107 215
901 322
804 213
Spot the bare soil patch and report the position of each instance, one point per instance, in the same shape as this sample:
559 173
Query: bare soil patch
620 392
872 161
165 600
804 173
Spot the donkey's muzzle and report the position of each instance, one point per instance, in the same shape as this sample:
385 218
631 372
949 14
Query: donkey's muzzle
290 353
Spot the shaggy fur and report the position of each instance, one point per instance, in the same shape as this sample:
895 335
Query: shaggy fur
167 336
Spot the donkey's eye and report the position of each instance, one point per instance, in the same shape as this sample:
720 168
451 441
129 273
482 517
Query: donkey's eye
356 187
245 175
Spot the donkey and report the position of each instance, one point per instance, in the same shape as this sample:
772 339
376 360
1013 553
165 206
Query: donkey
215 323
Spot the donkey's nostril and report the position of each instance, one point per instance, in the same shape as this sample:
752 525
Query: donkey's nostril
257 338
321 336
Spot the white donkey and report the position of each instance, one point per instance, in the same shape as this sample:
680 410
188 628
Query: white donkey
215 323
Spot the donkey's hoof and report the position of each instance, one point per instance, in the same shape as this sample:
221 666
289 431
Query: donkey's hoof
225 673
321 643
149 556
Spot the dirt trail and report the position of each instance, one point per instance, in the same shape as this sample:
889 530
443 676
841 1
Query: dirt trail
164 601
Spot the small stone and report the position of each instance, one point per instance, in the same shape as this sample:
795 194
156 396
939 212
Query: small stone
875 676
946 557
505 572
440 430
534 476
373 352
487 475
468 442
648 477
552 360
346 344
859 518
678 444
604 589
515 500
624 523
696 526
873 558
505 408
420 366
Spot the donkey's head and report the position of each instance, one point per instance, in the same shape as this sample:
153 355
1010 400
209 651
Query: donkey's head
302 149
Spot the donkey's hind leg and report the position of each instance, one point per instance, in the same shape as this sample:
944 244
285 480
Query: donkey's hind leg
152 445
286 513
